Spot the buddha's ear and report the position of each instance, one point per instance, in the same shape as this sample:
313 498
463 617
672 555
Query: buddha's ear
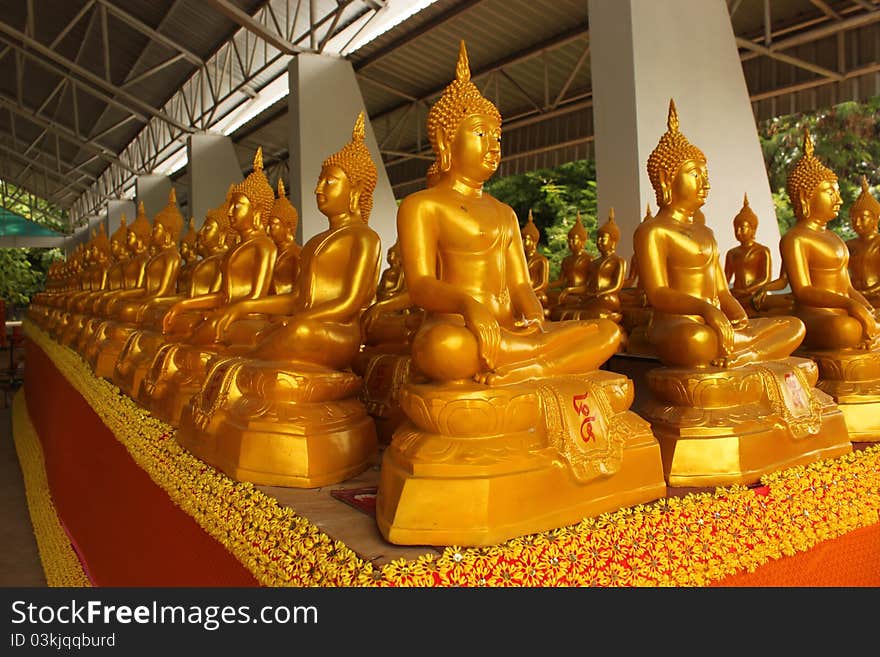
354 199
444 153
804 200
665 188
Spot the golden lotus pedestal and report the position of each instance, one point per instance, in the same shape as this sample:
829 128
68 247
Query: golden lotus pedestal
105 346
277 424
477 465
384 376
852 379
135 360
719 427
175 375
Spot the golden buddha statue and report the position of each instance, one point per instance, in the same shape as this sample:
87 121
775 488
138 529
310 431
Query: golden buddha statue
729 405
213 240
574 266
159 287
515 430
282 230
747 269
539 265
189 257
97 259
864 249
841 324
598 296
131 271
178 369
287 412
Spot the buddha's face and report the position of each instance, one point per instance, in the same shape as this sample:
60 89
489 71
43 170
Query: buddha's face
393 257
528 243
241 212
159 234
117 248
864 223
744 231
278 230
476 147
186 251
825 202
208 236
575 243
690 186
333 191
605 243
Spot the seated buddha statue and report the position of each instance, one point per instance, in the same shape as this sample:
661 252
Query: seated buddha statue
864 249
539 265
93 279
510 428
841 324
747 269
189 257
598 296
213 240
178 368
282 230
574 265
159 285
287 411
131 271
729 405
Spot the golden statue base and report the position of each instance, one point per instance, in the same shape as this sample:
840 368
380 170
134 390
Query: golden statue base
175 375
719 427
104 349
852 378
477 465
275 424
384 376
135 360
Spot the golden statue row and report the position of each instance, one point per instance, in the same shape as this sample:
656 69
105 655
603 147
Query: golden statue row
278 365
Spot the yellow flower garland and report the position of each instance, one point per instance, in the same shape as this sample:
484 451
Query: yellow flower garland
60 563
689 541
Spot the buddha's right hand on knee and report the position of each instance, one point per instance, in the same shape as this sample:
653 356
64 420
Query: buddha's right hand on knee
718 321
486 329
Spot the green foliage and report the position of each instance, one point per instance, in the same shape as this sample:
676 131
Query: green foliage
846 141
554 196
23 273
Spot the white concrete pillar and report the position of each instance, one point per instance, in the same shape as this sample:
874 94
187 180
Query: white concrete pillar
323 105
643 53
213 167
115 210
153 190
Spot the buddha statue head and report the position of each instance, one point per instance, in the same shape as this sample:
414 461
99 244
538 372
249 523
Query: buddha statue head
167 224
608 235
864 212
188 241
283 218
530 235
745 223
139 232
677 169
577 236
251 200
812 187
216 234
118 240
101 254
348 178
464 128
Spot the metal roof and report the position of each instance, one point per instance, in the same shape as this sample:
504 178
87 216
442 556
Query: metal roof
93 92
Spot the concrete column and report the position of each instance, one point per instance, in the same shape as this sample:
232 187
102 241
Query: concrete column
323 104
643 53
213 167
115 210
153 190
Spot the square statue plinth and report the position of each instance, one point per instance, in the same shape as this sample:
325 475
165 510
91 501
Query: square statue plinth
719 427
478 465
269 424
852 378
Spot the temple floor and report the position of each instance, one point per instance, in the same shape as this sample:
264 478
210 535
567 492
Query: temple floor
121 503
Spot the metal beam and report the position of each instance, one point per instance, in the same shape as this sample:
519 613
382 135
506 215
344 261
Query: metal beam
788 59
255 27
88 76
828 11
